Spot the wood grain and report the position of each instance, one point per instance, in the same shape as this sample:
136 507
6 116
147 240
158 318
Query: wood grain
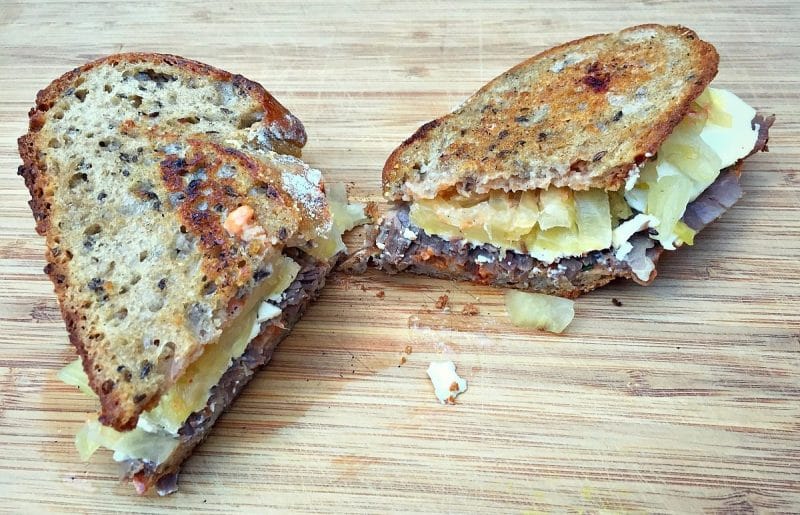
685 399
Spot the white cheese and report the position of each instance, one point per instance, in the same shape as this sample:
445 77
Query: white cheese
409 234
734 142
266 311
621 235
633 176
446 382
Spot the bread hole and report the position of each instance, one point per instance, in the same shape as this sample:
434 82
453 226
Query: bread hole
77 179
80 94
68 255
143 255
54 143
210 288
183 229
189 119
122 314
249 119
59 115
136 100
135 279
107 88
241 263
152 75
123 290
92 230
79 81
67 140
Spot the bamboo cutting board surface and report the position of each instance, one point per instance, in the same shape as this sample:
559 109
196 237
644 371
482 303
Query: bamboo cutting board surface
684 399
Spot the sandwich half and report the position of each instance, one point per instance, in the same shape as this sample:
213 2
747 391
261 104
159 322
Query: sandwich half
184 240
575 167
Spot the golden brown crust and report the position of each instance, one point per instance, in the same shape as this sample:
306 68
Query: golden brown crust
31 170
285 122
579 115
125 385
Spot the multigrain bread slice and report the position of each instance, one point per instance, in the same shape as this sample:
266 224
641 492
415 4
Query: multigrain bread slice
131 182
580 115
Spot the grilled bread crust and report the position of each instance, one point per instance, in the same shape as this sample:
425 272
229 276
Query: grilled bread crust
133 163
579 115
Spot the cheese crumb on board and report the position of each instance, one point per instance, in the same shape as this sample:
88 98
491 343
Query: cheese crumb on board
446 382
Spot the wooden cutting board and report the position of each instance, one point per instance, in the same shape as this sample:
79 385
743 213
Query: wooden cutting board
683 399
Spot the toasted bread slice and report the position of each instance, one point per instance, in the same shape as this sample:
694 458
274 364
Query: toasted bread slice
580 115
132 183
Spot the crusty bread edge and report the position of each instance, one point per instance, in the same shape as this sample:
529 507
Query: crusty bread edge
393 178
46 98
34 174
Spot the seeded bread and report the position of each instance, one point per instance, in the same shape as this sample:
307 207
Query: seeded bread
305 288
580 115
133 163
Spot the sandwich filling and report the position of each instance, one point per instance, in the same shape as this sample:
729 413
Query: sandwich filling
156 435
556 223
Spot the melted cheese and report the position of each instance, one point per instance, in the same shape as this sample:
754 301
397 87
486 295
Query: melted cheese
344 217
555 223
156 434
193 388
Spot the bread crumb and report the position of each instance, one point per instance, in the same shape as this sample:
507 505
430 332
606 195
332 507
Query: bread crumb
441 303
402 360
408 349
616 302
469 309
381 294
